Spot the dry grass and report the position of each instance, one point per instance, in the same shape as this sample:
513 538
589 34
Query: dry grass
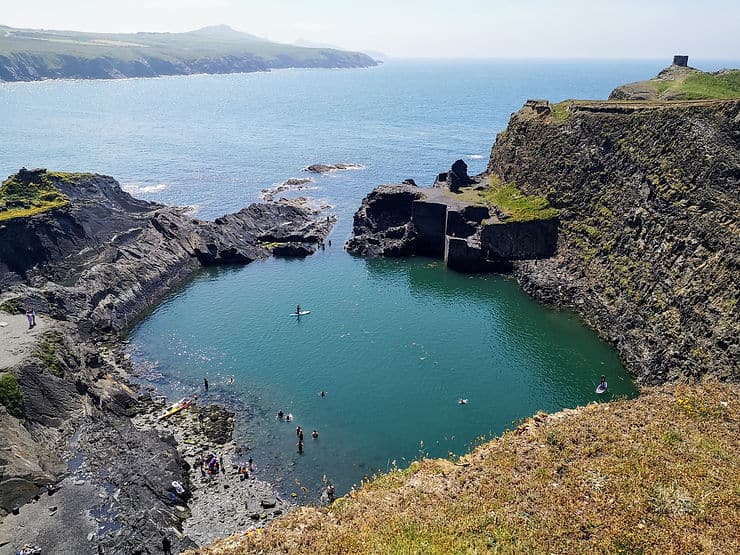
657 474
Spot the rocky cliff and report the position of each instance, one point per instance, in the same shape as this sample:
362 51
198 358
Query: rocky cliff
105 257
91 263
649 247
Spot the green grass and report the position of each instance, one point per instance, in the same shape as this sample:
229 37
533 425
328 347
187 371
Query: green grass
560 111
11 306
48 354
22 199
10 394
699 86
520 207
704 85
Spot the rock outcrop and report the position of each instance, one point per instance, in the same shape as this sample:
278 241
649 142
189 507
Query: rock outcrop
106 257
648 247
382 225
89 268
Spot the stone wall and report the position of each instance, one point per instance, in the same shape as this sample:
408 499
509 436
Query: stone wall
520 240
430 221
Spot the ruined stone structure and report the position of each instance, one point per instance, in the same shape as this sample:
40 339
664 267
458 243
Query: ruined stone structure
681 61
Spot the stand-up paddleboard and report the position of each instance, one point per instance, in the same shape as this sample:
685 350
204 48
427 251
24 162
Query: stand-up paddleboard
601 388
302 313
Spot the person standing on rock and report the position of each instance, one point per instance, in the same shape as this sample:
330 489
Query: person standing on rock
330 493
221 462
33 318
205 384
29 318
166 546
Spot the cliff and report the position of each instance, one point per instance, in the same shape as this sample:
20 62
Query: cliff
90 260
32 54
104 257
648 250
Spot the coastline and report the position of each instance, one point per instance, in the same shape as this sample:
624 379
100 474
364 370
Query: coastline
84 464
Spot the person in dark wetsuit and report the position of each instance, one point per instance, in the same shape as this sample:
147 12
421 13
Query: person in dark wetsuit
298 309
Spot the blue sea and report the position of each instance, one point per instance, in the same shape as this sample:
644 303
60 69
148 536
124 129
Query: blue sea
394 343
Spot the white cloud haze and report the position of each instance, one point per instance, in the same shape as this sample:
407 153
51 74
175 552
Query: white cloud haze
431 28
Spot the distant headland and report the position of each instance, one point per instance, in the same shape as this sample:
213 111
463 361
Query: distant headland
34 54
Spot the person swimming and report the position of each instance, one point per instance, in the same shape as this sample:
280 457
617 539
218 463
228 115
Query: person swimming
462 401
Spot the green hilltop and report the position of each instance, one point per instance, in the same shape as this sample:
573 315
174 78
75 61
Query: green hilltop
32 54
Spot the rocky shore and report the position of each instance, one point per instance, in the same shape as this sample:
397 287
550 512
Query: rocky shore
76 470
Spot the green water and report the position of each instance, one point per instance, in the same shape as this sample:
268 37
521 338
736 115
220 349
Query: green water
394 343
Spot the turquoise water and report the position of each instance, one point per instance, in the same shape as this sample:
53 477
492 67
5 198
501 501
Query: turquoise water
394 343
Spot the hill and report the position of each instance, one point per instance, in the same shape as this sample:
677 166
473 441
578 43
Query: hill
680 82
32 54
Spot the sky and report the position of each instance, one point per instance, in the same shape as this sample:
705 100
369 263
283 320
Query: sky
425 28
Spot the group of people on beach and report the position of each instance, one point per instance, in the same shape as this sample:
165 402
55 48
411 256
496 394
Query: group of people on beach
210 465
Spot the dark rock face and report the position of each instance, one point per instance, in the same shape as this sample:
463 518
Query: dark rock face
532 240
458 176
90 267
455 178
106 257
382 225
648 246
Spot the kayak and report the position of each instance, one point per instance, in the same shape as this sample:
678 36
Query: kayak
302 313
176 407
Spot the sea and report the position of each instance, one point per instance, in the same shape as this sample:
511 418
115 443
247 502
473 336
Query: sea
394 344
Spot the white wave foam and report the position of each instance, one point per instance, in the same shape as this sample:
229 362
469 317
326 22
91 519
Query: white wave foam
141 189
474 156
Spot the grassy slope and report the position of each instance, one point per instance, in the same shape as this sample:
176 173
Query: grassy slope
657 474
509 199
166 46
700 85
20 199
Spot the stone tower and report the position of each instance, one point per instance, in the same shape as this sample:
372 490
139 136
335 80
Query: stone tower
681 61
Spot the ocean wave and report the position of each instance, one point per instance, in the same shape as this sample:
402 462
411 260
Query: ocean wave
141 189
474 156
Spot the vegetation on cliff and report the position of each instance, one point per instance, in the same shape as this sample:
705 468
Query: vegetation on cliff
27 194
10 394
605 478
519 207
32 54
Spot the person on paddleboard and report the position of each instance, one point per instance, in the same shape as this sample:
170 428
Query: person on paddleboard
603 386
298 309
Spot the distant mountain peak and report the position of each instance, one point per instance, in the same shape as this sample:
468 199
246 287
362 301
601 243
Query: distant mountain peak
222 30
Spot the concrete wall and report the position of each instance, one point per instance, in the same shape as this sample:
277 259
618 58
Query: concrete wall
430 221
520 240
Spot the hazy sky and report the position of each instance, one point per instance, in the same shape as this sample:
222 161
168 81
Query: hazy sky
425 28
